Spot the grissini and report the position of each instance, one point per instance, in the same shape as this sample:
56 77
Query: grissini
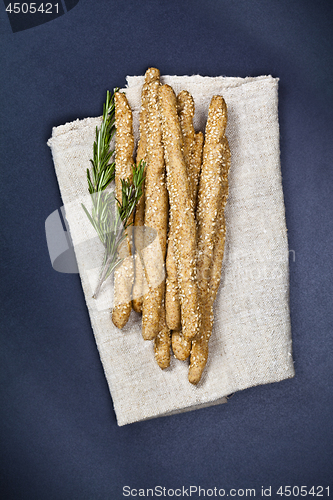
220 227
139 219
192 151
124 274
199 348
162 342
210 188
172 301
184 235
192 142
195 166
216 157
185 110
180 346
156 209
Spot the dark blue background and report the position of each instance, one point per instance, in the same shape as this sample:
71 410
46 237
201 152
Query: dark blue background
59 438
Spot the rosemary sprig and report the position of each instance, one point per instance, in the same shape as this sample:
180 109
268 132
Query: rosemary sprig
131 193
109 217
103 172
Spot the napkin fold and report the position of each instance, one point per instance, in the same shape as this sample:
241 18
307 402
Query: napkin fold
251 340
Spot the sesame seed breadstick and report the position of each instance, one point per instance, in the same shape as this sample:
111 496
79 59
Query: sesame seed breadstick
180 346
185 110
199 350
139 271
221 228
192 148
143 125
193 143
210 185
195 165
162 342
139 219
124 141
123 276
156 208
184 235
172 302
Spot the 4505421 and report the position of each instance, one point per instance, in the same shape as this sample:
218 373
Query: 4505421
303 491
32 8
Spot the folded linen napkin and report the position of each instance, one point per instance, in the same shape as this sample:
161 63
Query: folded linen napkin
251 340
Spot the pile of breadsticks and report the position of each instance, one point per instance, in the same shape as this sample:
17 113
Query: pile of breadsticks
185 193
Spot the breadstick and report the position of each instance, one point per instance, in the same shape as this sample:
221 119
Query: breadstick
172 302
195 165
184 234
180 346
209 189
124 141
192 150
123 276
199 350
141 154
156 208
221 228
192 142
162 342
185 109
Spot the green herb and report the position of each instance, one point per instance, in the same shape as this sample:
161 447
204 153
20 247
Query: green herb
109 217
103 172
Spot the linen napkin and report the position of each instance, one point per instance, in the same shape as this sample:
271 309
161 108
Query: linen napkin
251 340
